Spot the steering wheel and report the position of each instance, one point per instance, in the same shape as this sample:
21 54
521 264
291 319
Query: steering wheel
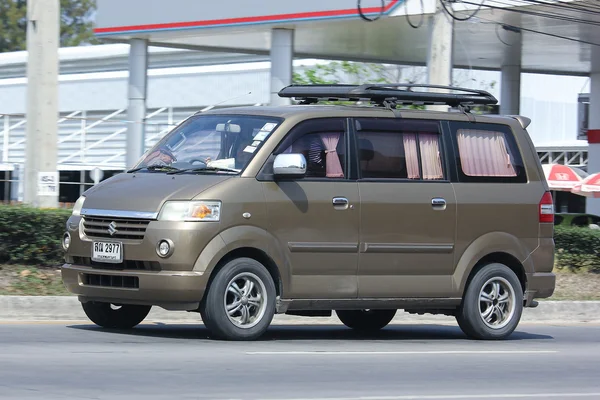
200 160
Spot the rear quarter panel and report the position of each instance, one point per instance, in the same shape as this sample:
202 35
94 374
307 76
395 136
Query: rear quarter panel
500 217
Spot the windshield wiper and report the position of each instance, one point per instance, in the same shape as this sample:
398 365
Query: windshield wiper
155 168
202 169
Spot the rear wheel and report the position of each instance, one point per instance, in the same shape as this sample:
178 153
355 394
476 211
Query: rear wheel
109 315
240 302
492 305
366 320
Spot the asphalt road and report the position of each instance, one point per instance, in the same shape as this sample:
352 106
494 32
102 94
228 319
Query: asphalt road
80 361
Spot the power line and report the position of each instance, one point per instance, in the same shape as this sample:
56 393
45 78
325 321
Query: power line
535 13
453 13
513 27
564 6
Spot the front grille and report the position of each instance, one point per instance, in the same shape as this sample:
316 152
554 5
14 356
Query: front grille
100 227
115 281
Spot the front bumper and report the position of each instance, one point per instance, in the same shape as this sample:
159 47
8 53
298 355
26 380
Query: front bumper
172 290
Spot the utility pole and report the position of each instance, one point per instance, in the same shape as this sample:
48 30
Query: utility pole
440 57
41 176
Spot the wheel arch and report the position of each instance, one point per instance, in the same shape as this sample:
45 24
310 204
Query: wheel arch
495 247
255 254
245 241
499 258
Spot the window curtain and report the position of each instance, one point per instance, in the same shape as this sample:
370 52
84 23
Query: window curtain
412 158
484 153
429 143
333 167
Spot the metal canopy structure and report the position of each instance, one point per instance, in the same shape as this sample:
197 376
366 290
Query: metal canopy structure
337 31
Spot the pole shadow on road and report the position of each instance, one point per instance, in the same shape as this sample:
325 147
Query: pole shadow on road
312 332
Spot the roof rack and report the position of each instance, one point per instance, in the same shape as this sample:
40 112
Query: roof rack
389 94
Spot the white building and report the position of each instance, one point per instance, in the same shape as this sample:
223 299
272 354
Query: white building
93 102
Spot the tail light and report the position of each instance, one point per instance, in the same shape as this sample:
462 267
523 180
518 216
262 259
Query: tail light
547 208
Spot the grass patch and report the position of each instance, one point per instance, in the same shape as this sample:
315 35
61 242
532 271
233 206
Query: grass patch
576 286
18 280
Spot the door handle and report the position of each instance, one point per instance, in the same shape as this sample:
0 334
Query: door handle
340 203
438 203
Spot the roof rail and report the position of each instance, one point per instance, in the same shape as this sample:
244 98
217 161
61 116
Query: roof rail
388 94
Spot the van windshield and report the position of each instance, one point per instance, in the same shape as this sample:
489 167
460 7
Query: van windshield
209 143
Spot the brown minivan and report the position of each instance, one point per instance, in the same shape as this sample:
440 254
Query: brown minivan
362 208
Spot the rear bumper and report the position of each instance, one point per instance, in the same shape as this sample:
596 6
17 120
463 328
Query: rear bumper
172 290
539 286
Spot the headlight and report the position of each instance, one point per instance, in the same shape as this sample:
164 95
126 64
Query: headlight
78 206
190 211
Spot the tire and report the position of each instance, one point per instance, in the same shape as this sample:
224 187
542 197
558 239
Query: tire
125 317
366 320
252 307
494 318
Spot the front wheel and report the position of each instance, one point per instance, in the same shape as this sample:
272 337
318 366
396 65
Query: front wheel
492 305
107 315
366 320
240 302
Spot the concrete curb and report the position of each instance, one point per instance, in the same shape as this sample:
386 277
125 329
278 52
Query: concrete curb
67 308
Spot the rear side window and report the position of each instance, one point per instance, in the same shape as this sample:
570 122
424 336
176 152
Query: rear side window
399 149
487 153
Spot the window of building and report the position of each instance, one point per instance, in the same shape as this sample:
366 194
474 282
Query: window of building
392 149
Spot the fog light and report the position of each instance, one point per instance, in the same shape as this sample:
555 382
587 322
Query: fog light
66 241
164 248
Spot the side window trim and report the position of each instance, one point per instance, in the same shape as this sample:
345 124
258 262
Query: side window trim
444 146
449 151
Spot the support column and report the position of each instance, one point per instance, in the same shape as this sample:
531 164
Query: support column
41 176
593 205
282 56
510 86
440 57
136 108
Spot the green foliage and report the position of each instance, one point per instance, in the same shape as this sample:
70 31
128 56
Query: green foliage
31 236
76 25
577 249
13 25
342 72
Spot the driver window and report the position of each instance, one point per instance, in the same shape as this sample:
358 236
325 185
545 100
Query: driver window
325 153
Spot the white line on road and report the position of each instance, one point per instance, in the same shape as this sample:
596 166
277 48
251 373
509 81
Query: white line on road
341 353
455 396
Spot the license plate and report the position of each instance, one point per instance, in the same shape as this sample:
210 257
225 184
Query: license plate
107 252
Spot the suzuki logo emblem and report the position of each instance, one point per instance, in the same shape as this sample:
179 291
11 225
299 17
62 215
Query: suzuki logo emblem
112 228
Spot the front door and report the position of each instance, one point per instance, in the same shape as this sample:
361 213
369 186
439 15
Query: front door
315 219
408 210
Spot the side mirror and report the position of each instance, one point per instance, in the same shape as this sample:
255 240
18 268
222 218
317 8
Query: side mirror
289 165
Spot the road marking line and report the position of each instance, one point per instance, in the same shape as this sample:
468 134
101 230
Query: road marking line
453 396
335 353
